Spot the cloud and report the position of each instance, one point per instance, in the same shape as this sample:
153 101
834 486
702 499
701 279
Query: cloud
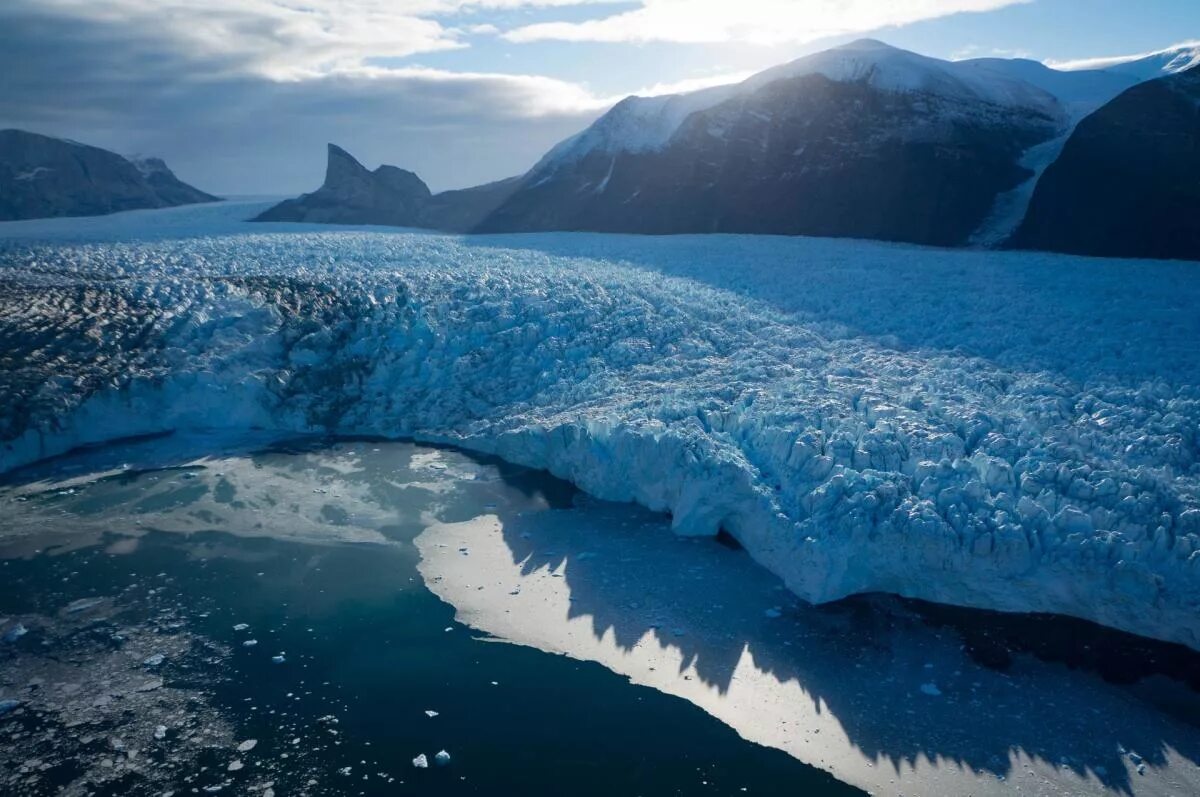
232 126
770 22
693 84
285 39
975 51
240 96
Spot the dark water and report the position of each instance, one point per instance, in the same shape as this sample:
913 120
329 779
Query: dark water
127 573
368 649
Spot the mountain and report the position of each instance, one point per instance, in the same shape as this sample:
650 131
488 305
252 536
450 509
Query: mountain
1170 61
42 176
863 141
1128 181
166 185
353 195
1080 91
389 195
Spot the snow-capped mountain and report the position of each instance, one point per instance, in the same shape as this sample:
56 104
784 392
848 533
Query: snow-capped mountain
1148 66
1079 91
42 176
864 140
638 124
1128 181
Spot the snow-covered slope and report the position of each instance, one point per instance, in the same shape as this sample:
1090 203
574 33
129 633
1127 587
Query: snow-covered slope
1004 430
1147 66
1080 91
889 68
638 124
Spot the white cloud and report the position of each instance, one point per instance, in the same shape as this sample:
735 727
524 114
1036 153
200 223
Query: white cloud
753 21
485 29
693 84
289 39
514 96
975 51
236 117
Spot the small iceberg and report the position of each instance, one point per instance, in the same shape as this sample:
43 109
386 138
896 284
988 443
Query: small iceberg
13 634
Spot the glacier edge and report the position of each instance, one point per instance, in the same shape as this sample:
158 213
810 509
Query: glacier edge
841 463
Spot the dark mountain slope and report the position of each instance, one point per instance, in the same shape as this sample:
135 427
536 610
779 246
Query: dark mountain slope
1128 181
803 155
41 176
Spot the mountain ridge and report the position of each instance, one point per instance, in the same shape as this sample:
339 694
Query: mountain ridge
863 140
43 176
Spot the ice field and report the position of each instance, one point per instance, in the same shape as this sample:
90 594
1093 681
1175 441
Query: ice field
1003 430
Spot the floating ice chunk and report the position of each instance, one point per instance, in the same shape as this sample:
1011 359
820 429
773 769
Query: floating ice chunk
13 634
241 627
83 604
155 661
234 766
160 732
247 745
278 659
431 714
773 613
931 690
442 758
249 643
8 705
421 762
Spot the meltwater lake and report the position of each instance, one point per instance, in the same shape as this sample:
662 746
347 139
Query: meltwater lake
310 616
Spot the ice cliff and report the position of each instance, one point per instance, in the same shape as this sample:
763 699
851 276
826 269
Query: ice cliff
1003 430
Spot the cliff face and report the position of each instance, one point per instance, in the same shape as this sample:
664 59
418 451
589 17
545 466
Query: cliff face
42 176
1128 181
353 195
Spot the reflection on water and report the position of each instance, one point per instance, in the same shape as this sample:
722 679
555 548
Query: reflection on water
147 591
868 689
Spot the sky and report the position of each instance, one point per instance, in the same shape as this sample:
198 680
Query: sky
241 96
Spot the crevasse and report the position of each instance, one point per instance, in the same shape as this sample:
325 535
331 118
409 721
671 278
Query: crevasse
828 403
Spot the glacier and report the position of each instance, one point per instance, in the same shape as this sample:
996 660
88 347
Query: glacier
1011 431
